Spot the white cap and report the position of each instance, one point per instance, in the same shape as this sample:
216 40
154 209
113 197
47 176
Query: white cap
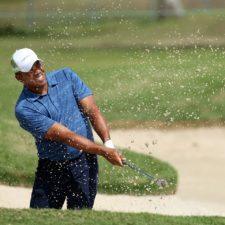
23 60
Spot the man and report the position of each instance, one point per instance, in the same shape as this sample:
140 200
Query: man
56 109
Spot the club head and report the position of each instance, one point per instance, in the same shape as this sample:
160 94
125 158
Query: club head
124 162
161 183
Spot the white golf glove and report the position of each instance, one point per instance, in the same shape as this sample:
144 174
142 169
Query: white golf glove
109 144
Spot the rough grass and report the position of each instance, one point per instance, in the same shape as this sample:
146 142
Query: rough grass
87 217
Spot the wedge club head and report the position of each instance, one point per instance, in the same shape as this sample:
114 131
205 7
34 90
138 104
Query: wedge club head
160 182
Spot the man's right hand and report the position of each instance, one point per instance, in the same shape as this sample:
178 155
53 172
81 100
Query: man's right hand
113 156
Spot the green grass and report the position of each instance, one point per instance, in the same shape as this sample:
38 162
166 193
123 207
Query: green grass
86 217
169 86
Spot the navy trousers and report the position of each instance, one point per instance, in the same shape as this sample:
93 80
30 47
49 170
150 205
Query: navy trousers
75 180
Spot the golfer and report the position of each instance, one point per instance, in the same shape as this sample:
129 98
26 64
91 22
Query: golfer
56 109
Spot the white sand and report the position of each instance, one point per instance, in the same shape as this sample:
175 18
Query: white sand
197 153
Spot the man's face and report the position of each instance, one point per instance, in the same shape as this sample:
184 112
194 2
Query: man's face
35 78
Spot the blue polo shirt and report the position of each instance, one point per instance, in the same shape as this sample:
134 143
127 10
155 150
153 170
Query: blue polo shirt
37 113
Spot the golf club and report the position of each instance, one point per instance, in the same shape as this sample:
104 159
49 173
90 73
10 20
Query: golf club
160 182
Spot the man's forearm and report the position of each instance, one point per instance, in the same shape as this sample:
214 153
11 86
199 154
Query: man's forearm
96 118
61 134
99 124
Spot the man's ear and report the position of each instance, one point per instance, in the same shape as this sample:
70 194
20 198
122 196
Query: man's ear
19 77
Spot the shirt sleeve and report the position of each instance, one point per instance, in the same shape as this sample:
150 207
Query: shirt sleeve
80 89
33 121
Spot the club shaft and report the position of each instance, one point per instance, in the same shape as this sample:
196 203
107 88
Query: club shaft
140 171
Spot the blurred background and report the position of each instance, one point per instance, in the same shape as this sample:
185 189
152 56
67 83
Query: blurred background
118 23
164 58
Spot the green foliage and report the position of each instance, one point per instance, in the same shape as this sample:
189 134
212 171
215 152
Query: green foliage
87 217
10 30
115 28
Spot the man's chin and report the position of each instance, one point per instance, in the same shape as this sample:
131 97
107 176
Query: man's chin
40 84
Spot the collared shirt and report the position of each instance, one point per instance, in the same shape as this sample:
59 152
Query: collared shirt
37 113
